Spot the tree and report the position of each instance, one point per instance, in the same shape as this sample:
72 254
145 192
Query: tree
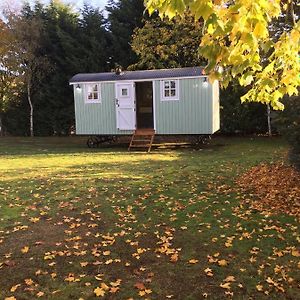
237 40
123 17
167 43
24 59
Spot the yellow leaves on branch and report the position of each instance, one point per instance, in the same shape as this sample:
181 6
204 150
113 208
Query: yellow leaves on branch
237 38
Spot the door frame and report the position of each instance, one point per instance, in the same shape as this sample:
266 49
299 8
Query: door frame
153 101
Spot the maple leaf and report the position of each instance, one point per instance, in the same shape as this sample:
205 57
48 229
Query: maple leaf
225 285
174 257
25 249
229 279
34 220
259 287
193 261
209 272
140 286
40 294
10 298
14 288
106 253
28 281
104 286
222 262
99 292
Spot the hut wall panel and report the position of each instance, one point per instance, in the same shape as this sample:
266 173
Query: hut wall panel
216 107
192 114
97 118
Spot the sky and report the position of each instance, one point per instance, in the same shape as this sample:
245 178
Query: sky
16 4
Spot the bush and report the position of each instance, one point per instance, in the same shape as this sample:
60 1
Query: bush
288 123
243 118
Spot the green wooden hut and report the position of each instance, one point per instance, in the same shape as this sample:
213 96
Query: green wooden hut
170 101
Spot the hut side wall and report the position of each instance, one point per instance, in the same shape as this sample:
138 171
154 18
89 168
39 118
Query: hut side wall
97 118
191 114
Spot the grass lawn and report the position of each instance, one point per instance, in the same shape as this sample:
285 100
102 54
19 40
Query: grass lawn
78 223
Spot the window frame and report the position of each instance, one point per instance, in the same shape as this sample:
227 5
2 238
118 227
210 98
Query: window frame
163 97
86 92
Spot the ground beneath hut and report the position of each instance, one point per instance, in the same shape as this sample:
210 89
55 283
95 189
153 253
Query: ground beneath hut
276 188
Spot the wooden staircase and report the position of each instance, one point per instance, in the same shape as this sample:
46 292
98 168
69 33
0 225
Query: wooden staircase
142 138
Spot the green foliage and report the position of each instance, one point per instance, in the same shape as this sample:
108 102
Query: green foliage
123 17
167 43
237 37
242 118
71 44
288 122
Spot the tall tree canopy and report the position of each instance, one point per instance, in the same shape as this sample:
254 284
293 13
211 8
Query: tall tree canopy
167 43
123 17
238 41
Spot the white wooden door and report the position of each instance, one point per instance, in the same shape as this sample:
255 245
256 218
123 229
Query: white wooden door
125 106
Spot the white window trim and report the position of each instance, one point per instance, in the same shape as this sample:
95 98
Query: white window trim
89 101
162 90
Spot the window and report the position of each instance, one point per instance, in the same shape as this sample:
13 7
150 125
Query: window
92 94
169 89
125 92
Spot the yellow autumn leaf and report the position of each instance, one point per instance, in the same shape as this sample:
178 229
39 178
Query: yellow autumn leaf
193 261
222 262
174 257
260 30
25 249
106 252
28 281
295 253
104 286
10 298
14 288
40 294
142 293
84 264
259 287
99 292
229 278
225 285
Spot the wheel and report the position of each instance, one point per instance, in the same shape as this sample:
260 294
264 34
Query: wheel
92 142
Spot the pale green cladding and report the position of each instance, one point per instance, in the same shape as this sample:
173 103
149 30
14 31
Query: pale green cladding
191 114
97 118
196 111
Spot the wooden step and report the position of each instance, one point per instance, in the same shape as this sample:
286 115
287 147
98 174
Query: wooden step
142 138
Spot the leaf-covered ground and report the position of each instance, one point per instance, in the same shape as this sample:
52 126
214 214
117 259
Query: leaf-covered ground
173 224
277 187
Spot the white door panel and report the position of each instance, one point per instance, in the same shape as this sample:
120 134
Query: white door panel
125 106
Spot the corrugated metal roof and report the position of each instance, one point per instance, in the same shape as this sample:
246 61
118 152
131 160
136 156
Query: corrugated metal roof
138 75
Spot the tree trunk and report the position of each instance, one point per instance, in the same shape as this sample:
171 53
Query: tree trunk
31 109
269 120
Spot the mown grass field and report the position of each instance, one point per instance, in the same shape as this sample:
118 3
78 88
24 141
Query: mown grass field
81 224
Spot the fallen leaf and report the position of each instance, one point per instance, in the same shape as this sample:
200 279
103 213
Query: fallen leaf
259 287
140 286
174 257
225 285
14 288
99 292
40 294
229 279
222 262
193 261
25 249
